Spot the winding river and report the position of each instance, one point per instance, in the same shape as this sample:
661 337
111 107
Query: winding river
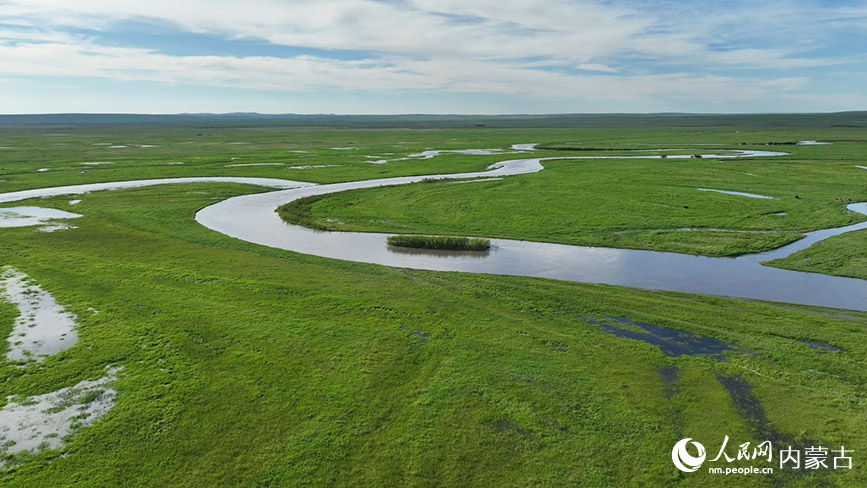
252 218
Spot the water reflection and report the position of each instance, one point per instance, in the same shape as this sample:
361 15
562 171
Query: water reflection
438 253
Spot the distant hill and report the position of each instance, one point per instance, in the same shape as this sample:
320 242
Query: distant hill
840 119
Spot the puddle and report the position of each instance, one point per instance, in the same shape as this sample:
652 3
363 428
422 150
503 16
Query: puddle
819 346
862 167
737 193
344 148
751 410
43 170
423 337
43 328
56 227
316 166
672 343
253 164
30 216
41 422
176 163
525 147
74 202
116 147
814 143
97 163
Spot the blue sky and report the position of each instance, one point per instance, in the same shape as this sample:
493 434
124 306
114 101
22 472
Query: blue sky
432 56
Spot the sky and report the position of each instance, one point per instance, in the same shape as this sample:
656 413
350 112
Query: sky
432 56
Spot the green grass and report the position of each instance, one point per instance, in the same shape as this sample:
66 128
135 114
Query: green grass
843 255
639 204
440 242
249 366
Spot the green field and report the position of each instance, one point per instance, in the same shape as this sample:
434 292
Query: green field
639 204
249 366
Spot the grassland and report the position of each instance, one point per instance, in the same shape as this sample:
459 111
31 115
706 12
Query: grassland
248 366
640 204
842 255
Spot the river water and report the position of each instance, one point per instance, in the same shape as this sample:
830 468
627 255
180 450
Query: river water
252 218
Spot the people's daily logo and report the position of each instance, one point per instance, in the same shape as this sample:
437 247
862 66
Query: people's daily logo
810 458
684 460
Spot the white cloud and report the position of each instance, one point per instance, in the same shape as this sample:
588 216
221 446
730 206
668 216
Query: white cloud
624 51
596 67
76 57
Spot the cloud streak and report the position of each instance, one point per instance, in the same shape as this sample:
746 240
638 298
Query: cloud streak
555 49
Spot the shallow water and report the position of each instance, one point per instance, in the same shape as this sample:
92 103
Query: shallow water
121 185
672 343
821 346
315 166
253 164
55 227
42 422
43 328
30 216
525 147
432 153
737 193
751 410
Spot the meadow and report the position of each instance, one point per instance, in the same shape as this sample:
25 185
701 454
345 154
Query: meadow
250 366
638 204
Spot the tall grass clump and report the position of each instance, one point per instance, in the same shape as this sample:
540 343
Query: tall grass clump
440 242
299 212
